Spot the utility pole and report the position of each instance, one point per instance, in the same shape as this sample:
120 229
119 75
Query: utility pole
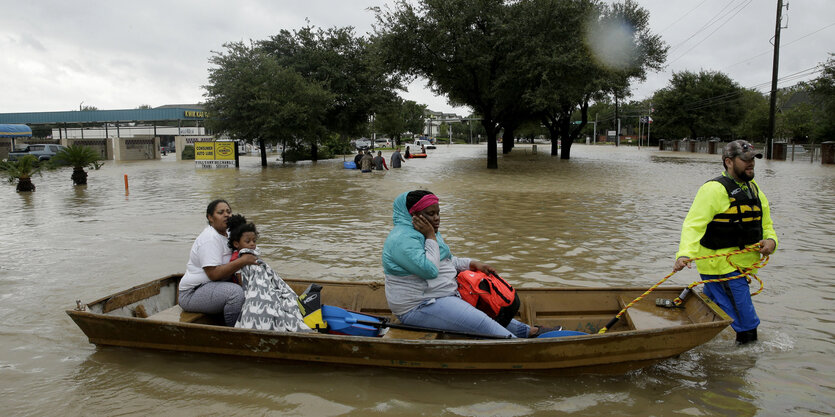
649 122
640 129
617 122
594 141
773 102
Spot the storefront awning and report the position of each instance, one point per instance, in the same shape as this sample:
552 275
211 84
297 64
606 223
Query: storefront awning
14 131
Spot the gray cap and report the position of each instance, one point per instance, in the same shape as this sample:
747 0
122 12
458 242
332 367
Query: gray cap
741 148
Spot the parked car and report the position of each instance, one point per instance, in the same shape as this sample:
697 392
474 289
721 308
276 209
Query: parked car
427 144
362 143
382 143
42 151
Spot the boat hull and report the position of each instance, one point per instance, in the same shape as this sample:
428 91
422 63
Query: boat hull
625 347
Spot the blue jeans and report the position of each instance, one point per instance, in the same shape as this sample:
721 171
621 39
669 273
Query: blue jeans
738 305
454 314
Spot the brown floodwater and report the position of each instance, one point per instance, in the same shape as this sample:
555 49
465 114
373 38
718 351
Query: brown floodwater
607 217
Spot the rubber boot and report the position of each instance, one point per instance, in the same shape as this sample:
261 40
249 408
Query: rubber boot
746 337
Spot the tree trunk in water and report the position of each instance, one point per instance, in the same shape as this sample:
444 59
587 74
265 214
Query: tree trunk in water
314 151
492 152
283 149
25 185
555 139
507 140
263 152
79 176
492 149
566 149
566 139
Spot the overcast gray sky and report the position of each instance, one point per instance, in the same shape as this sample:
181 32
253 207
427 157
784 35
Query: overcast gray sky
121 54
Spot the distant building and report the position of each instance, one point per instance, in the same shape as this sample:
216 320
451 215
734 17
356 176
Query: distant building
433 120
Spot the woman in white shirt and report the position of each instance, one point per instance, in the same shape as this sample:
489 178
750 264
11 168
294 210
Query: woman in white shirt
205 287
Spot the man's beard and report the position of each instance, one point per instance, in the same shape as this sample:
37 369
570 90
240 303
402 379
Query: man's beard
741 174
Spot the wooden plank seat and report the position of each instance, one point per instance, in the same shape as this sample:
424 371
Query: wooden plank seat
646 315
176 313
409 334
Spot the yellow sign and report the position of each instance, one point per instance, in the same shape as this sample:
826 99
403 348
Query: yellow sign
224 151
204 151
214 154
195 113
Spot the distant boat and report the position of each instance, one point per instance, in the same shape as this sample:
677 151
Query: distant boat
147 316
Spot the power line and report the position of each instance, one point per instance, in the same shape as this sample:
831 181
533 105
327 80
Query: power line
739 9
682 17
787 44
710 22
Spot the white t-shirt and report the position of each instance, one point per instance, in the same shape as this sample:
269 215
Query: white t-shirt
209 249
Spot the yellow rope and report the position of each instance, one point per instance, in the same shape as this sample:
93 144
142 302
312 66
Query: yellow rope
743 272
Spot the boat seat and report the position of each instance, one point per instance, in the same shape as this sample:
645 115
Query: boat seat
176 313
646 315
409 334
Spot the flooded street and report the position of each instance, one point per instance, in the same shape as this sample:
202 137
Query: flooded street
607 217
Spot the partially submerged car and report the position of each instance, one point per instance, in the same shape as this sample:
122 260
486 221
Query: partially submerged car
425 143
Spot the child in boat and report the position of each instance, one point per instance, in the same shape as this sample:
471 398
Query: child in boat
269 303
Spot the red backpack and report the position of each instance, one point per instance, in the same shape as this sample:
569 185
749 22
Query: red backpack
490 294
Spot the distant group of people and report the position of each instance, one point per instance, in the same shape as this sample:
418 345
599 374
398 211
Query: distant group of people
365 162
729 212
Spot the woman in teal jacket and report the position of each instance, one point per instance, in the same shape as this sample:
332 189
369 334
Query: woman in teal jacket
421 285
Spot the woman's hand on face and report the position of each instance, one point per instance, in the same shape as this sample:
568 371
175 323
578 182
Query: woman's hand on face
423 226
483 267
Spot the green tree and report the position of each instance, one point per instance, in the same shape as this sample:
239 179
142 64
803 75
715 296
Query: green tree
250 96
460 47
22 170
823 94
584 51
753 126
797 123
705 104
344 65
400 116
78 157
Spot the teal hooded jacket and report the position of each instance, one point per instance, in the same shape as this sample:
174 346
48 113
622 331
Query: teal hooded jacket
403 252
417 270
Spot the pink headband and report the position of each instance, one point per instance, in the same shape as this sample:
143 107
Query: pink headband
424 202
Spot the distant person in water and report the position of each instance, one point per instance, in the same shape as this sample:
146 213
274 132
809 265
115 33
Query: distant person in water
358 158
380 162
367 162
396 158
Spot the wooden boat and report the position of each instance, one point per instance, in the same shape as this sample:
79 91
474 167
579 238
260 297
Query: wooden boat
147 316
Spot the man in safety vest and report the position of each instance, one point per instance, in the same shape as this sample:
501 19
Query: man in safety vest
729 213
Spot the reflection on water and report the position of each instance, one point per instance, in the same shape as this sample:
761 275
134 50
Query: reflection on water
607 217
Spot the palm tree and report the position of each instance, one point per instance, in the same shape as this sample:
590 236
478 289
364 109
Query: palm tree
78 157
22 171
